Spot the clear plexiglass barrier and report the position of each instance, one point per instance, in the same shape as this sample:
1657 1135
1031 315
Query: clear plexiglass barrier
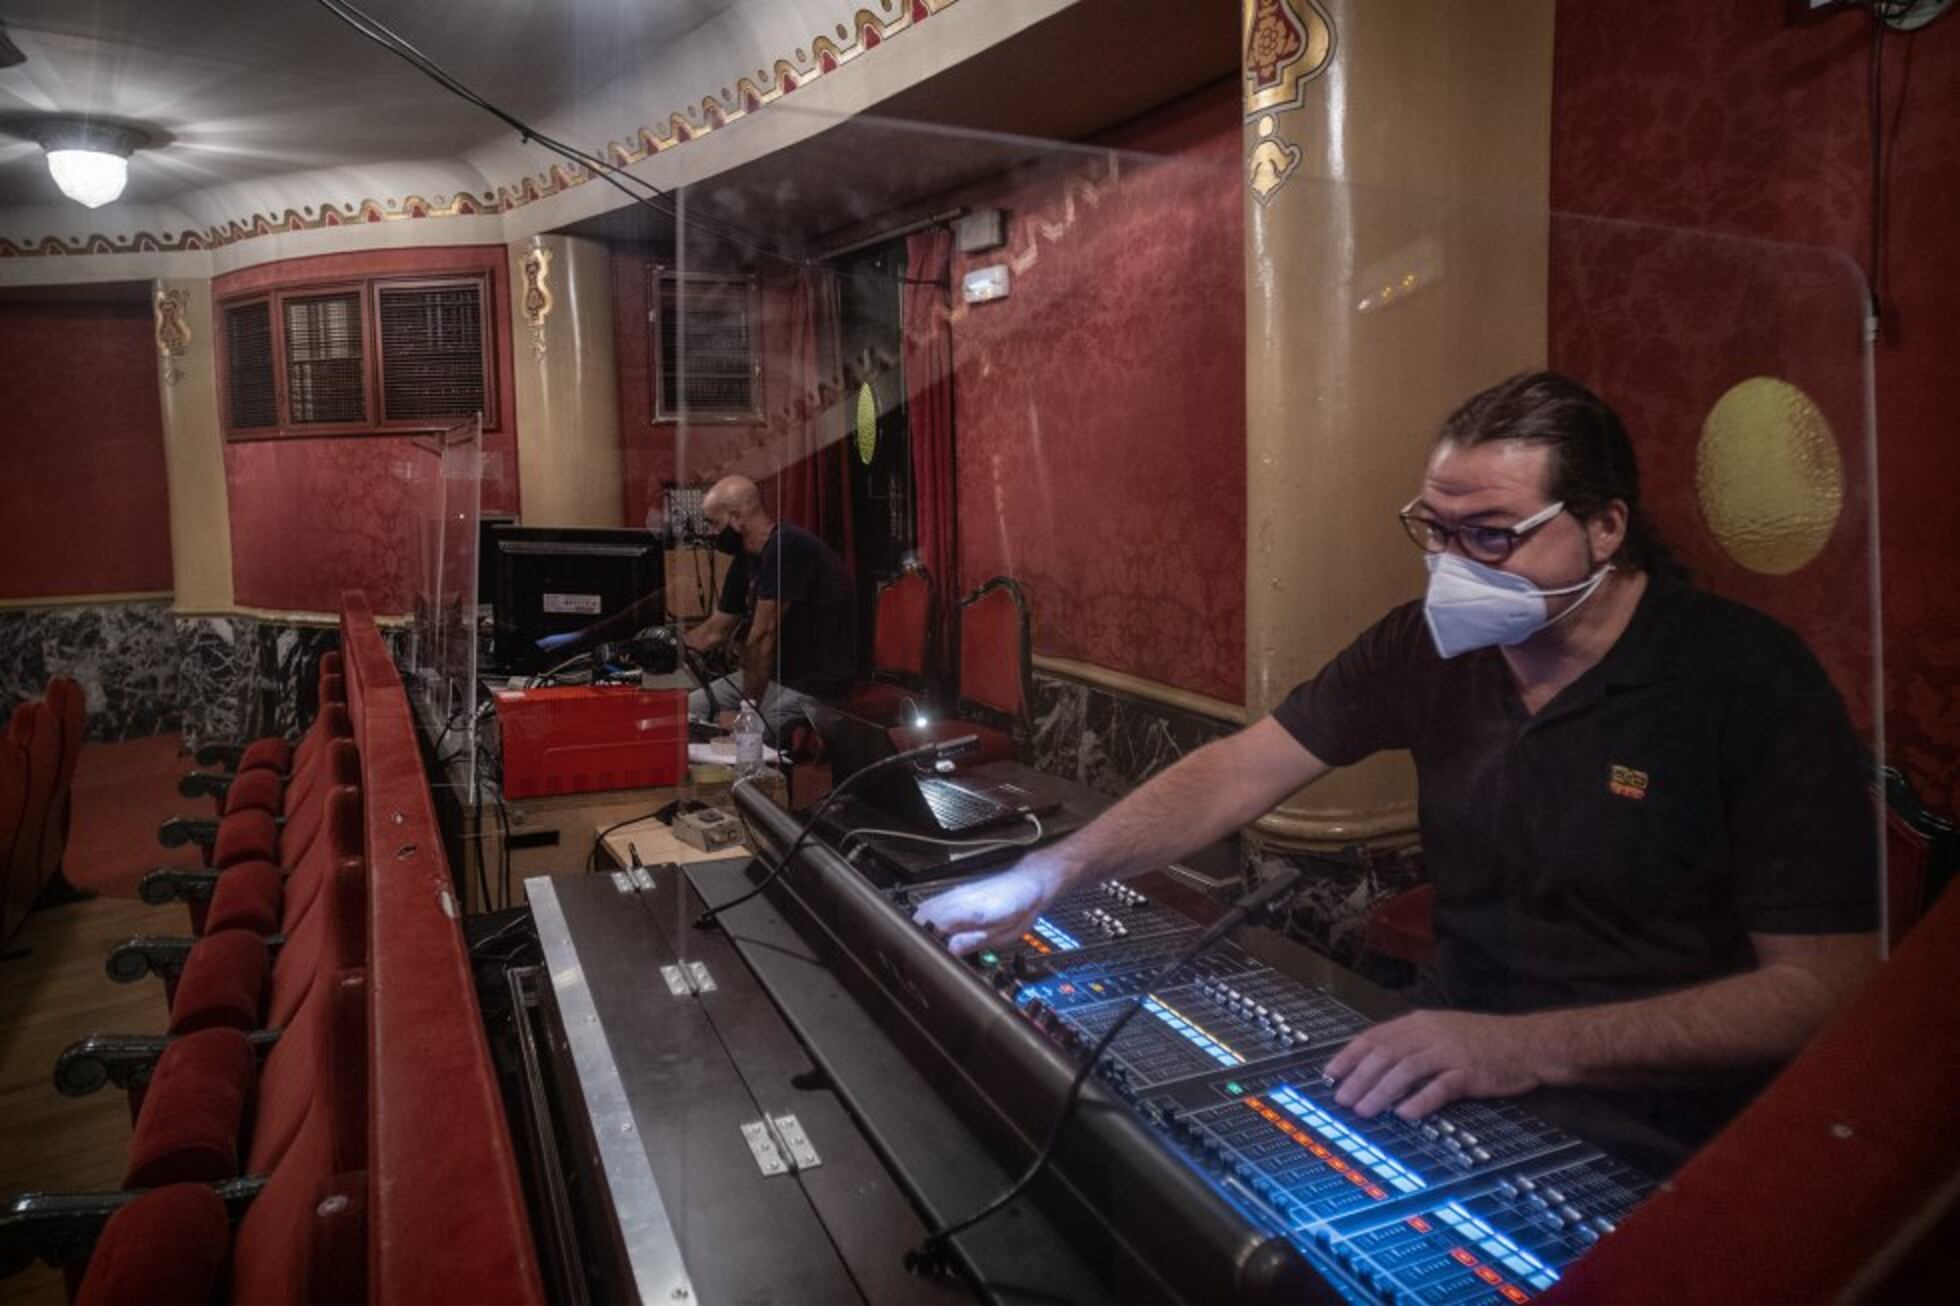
1553 537
445 470
1169 408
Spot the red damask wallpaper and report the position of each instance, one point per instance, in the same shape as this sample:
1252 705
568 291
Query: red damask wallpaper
1100 409
647 448
83 504
1726 120
311 517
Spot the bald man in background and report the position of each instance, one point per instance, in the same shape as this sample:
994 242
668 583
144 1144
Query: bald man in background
800 603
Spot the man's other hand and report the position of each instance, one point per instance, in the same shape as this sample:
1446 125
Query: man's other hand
552 643
1427 1059
996 909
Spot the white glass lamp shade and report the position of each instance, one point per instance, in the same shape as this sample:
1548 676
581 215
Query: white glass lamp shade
90 177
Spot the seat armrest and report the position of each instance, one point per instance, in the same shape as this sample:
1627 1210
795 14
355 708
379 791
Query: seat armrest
163 955
206 784
225 755
168 884
125 1060
62 1228
180 830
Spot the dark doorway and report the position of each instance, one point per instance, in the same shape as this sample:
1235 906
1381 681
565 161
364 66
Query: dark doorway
877 444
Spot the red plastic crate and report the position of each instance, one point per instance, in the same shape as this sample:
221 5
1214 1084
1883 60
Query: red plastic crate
572 739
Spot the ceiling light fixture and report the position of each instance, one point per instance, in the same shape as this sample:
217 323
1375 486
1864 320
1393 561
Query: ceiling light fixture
88 158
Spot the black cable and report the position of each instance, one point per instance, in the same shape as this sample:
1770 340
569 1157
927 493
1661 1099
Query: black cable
606 171
598 840
950 748
503 829
929 1255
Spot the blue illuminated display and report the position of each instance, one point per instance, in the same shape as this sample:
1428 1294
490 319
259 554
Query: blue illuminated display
1357 1148
1210 1046
1499 1248
1056 936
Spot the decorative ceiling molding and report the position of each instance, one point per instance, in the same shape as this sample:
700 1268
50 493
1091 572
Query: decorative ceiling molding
825 53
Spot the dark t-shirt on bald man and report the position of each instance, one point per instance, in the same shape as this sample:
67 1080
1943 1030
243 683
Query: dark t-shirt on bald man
817 646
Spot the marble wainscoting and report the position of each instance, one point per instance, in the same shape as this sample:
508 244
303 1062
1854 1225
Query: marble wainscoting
1329 911
244 677
147 671
124 655
1109 740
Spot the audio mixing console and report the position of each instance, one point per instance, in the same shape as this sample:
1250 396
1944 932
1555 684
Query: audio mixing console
1481 1201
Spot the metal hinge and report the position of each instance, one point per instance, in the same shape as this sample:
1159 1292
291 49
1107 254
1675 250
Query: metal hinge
638 878
688 980
780 1146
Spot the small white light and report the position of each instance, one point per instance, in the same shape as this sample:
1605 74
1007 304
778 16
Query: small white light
919 721
89 177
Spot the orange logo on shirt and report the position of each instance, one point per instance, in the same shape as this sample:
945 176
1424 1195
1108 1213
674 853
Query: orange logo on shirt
1625 782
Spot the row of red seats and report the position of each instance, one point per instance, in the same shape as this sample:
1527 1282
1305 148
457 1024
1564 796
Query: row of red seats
252 1106
38 754
325 1085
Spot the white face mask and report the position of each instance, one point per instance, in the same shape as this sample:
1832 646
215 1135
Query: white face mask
1471 606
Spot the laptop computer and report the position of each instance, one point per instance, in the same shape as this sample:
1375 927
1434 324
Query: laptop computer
928 802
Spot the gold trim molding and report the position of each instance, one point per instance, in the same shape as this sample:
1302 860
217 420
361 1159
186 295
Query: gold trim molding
538 301
1286 44
825 53
1137 687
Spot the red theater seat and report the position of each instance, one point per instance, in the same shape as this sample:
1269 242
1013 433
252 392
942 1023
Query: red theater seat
996 676
223 984
1400 926
13 803
168 1247
36 735
194 1111
68 707
901 651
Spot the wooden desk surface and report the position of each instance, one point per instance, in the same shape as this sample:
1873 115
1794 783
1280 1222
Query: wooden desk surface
656 843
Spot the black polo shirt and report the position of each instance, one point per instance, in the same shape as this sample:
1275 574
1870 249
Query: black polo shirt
1700 783
816 648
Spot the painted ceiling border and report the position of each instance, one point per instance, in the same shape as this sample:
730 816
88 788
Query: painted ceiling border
823 55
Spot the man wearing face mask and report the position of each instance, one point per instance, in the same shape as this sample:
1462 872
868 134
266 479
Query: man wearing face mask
1642 807
801 607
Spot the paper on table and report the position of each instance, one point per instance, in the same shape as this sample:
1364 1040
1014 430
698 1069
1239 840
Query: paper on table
721 752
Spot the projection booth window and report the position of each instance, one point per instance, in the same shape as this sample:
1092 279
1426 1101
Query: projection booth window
704 365
384 355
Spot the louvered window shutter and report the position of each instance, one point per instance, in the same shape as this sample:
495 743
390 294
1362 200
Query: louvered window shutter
432 351
251 396
707 356
324 378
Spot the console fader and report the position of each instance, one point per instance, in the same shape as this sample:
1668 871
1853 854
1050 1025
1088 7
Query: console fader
1481 1201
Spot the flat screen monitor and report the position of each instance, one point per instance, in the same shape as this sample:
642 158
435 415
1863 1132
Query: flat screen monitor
552 579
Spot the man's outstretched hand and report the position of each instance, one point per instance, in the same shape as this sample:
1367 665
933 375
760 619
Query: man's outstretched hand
997 909
1428 1059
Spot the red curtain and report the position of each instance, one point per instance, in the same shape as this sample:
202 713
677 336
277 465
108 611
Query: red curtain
928 363
813 489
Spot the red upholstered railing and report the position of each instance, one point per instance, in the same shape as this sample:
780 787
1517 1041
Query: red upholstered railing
447 1218
1805 1196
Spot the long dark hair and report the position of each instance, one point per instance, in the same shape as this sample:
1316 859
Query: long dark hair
1592 458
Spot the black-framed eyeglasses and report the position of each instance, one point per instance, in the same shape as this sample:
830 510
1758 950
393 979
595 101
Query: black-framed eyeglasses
1483 543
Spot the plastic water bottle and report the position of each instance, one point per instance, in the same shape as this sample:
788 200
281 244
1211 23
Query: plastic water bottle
748 740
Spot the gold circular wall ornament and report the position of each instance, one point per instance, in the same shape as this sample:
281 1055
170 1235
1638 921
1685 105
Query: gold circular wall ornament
1768 476
867 424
